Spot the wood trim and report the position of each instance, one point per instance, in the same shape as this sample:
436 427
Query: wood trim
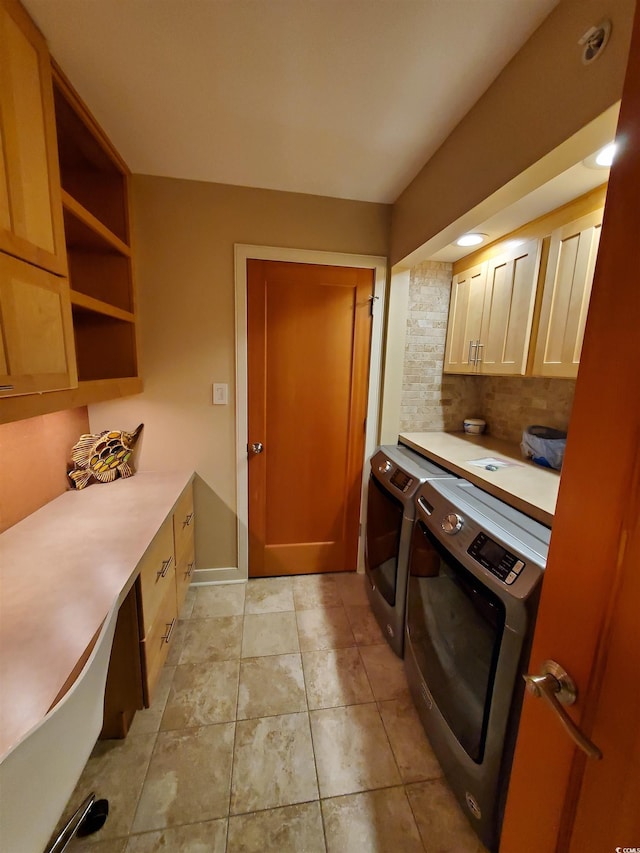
537 228
100 307
94 391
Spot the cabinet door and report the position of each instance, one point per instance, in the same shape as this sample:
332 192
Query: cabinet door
465 320
31 223
36 334
183 527
565 299
508 310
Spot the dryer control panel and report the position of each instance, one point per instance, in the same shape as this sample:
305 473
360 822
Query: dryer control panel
401 480
492 556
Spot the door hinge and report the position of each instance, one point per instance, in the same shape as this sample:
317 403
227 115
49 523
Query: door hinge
372 299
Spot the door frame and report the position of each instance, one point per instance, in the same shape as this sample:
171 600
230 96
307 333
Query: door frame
242 253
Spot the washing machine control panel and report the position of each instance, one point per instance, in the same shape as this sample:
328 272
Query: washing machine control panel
492 556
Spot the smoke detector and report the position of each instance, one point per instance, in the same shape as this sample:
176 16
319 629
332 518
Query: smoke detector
594 41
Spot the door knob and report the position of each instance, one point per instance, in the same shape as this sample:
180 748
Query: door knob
557 688
257 447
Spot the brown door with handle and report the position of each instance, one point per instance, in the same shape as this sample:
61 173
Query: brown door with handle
560 800
309 333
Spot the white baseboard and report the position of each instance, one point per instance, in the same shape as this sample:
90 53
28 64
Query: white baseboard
204 577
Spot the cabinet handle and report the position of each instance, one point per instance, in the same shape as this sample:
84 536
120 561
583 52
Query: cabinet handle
170 625
479 348
188 520
470 359
189 571
6 387
162 573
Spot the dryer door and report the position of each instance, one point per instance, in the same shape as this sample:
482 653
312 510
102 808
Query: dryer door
382 545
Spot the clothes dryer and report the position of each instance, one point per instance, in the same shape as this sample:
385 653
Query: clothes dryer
396 475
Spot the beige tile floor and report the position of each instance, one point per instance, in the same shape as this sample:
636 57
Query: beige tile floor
282 722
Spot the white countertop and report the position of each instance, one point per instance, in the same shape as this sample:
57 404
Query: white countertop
523 485
60 570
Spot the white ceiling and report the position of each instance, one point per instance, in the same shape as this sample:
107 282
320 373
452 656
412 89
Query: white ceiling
344 98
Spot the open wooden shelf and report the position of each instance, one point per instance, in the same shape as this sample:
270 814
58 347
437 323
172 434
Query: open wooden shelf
105 345
85 231
82 300
96 222
91 170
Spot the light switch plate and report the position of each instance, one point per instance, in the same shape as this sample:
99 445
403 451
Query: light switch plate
220 393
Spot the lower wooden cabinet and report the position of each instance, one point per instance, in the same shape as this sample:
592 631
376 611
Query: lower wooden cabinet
157 576
165 574
183 538
156 643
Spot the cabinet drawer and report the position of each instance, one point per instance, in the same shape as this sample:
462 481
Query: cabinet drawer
155 646
157 575
183 522
184 573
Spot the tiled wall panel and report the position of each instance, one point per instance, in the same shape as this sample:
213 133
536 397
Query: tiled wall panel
432 401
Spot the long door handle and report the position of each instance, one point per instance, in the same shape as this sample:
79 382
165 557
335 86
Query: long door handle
557 688
470 358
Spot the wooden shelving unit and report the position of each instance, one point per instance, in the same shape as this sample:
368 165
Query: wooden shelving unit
96 222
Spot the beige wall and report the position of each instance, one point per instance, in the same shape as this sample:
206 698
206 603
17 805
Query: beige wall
33 459
542 97
185 232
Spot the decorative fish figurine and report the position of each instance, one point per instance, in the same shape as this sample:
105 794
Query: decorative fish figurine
104 456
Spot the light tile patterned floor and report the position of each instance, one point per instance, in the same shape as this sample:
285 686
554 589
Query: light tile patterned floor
282 722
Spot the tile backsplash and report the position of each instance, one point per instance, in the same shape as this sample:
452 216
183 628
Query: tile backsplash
433 401
510 403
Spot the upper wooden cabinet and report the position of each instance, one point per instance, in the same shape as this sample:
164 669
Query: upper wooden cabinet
31 223
565 297
465 319
64 207
36 338
491 313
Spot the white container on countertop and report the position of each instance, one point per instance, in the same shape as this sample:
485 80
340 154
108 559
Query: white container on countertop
474 426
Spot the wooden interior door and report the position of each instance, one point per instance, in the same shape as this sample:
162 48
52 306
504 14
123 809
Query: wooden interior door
309 334
558 799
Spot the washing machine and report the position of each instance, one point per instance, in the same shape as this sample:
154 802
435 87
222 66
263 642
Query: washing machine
396 475
475 572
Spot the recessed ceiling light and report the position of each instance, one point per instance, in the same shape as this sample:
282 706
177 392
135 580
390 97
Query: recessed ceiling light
605 156
602 159
473 239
